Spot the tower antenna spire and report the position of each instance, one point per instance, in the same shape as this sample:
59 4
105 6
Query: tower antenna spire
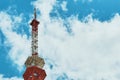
35 15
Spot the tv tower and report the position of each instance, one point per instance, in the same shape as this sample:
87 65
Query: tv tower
34 63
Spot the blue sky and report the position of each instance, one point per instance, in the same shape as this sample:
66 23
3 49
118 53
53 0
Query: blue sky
102 10
14 7
94 43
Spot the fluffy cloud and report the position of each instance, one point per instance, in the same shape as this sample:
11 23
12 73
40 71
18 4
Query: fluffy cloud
13 78
14 40
63 5
83 1
89 52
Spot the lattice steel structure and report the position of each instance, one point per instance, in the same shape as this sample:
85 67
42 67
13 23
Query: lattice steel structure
34 64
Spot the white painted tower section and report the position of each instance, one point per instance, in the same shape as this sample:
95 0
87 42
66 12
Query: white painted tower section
34 42
34 37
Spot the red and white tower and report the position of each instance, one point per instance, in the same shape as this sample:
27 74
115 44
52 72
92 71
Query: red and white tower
34 63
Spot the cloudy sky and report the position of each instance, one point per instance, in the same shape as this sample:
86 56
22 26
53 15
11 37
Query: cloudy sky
79 39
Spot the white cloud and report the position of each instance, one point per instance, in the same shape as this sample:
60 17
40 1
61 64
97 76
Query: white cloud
13 78
14 40
91 53
45 7
83 1
63 5
90 0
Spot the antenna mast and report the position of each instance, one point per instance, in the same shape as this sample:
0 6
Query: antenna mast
35 13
